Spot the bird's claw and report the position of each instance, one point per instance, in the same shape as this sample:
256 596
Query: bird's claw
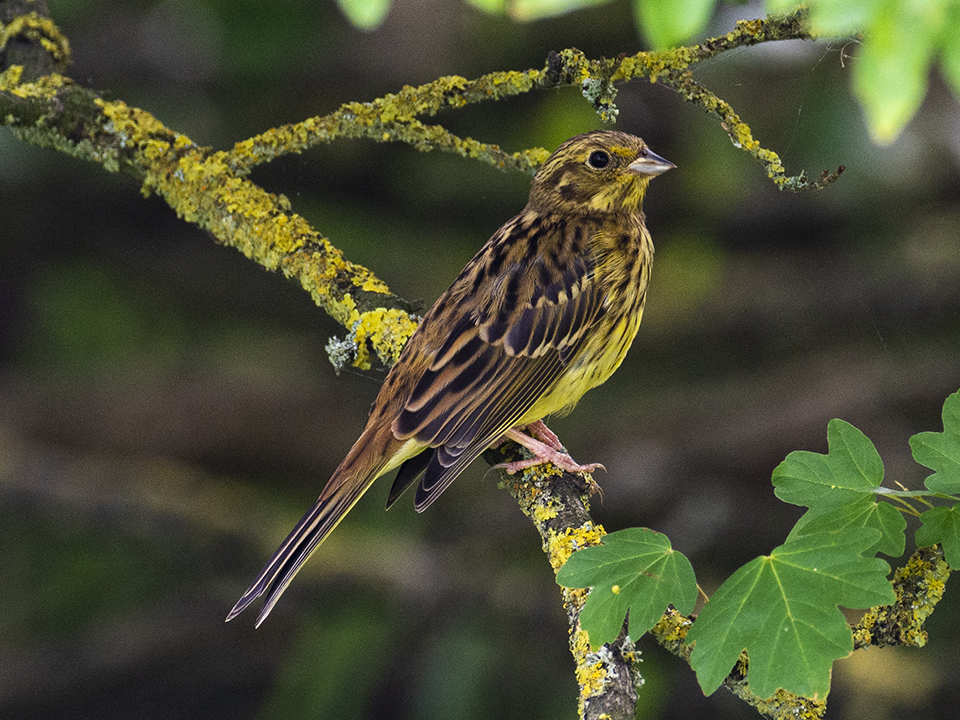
546 449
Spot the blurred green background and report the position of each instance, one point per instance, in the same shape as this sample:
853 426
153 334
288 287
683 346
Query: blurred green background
167 412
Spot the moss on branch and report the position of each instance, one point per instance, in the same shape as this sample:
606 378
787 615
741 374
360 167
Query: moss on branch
919 585
211 189
393 118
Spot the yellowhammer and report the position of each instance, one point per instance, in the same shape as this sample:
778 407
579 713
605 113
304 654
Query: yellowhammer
545 311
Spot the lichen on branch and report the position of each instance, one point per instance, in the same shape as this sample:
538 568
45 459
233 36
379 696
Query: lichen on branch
211 188
919 586
394 117
558 504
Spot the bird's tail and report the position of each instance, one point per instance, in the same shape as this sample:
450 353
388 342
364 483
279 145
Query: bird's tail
345 488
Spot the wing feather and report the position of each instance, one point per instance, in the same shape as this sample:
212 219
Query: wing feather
488 421
494 365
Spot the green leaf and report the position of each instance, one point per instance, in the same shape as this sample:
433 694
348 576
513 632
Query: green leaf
782 609
841 17
777 7
850 469
365 14
636 570
900 41
941 451
941 525
951 48
525 10
890 73
494 7
867 513
670 22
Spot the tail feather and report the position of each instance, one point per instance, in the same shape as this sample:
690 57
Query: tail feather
293 552
348 484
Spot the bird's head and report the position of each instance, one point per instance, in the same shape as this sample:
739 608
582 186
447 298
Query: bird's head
599 172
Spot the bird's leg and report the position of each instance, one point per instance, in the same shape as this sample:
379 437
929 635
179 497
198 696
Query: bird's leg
536 430
543 452
540 431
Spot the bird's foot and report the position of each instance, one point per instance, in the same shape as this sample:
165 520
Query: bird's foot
547 449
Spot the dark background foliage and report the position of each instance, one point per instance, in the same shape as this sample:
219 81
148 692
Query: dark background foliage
167 411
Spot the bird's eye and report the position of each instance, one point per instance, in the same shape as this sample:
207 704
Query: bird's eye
598 159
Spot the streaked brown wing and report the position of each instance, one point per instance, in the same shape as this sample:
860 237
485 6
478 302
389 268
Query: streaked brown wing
494 365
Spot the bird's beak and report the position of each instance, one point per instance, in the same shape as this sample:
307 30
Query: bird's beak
650 164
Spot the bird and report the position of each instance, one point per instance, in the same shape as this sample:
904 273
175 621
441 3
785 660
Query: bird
545 311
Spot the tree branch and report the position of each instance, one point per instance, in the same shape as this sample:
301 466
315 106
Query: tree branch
210 188
393 117
558 504
919 585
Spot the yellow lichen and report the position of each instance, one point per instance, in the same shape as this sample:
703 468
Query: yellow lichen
543 513
560 546
346 311
576 597
672 628
592 678
579 644
41 30
387 331
10 78
44 87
